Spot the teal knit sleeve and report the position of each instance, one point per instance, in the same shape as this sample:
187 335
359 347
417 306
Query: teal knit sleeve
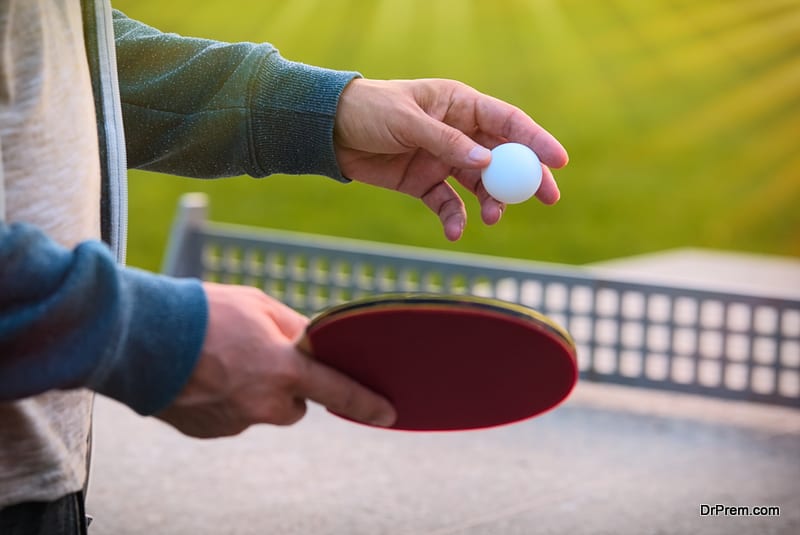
202 108
74 318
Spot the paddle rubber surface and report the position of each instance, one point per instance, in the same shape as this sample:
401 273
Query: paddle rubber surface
449 363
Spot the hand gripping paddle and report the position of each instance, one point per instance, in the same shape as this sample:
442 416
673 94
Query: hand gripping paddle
448 362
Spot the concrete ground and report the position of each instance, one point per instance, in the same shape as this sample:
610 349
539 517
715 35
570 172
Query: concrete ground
610 460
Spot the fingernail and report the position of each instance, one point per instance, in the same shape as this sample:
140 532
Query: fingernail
479 154
384 420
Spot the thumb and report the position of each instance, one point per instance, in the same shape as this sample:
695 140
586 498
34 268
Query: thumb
449 144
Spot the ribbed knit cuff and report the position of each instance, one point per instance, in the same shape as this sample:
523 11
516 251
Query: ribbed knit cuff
294 108
164 329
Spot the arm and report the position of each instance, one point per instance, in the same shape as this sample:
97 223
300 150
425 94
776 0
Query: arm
260 115
264 114
211 360
73 318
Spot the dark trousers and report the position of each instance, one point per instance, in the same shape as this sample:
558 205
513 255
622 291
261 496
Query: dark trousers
65 516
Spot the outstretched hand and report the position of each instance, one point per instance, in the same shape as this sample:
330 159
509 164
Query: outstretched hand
411 135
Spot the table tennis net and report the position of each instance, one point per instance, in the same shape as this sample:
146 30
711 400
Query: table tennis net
655 335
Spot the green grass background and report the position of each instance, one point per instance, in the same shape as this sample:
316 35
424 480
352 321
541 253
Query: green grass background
681 117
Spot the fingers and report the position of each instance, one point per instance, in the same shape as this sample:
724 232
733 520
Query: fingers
489 122
290 322
450 145
491 209
548 192
344 396
498 118
443 200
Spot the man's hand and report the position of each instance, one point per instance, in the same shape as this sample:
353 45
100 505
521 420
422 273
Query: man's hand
250 371
411 135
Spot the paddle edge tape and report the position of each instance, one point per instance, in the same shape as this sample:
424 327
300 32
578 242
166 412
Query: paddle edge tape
432 302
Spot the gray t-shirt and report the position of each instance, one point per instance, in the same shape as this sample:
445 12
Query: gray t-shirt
51 178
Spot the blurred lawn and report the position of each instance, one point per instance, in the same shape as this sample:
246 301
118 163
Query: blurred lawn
682 119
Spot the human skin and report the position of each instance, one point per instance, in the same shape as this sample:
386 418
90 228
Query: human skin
404 135
250 371
411 135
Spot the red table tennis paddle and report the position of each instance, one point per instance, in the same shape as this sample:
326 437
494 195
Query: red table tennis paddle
448 362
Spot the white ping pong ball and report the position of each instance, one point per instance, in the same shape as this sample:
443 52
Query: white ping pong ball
514 174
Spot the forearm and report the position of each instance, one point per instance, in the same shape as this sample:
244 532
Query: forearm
74 318
197 107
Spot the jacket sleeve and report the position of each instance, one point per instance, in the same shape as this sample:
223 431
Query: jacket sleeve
202 108
74 318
